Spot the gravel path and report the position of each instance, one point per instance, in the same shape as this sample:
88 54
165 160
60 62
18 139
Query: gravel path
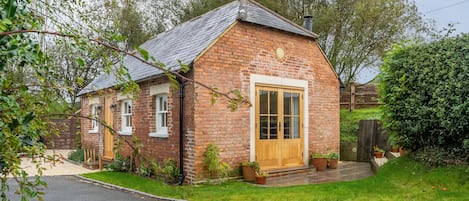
62 167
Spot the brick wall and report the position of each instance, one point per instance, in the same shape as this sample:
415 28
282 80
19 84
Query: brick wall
244 50
249 49
90 140
143 122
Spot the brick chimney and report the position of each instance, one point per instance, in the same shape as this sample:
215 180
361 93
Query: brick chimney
309 22
242 12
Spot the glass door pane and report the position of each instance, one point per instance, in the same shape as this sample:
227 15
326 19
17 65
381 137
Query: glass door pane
268 114
291 115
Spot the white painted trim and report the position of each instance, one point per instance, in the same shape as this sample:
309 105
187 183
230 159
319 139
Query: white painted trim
159 135
159 89
125 132
93 100
263 79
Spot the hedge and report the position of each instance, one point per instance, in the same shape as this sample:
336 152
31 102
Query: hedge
425 91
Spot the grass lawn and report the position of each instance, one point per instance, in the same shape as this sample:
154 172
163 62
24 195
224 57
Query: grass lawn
349 122
399 179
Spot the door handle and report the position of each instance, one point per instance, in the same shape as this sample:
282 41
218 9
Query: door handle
279 126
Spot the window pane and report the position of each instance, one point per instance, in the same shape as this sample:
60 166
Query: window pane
273 127
165 103
286 128
273 102
263 101
165 122
295 130
287 103
160 103
263 128
296 103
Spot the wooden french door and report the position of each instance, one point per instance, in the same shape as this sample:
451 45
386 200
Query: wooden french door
279 127
108 137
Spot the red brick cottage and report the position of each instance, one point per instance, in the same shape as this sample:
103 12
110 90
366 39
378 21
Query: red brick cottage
278 65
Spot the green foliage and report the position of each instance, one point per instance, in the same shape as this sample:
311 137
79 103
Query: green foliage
377 149
253 164
212 163
333 155
21 106
120 164
170 170
319 155
77 156
424 89
399 179
349 122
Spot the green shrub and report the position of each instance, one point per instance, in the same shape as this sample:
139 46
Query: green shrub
120 164
425 90
76 156
170 170
212 164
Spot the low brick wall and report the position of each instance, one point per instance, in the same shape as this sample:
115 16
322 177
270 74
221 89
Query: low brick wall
67 130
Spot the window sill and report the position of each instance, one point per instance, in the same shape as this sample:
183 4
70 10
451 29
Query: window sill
125 132
159 135
93 131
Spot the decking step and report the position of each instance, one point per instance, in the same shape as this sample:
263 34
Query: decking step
291 171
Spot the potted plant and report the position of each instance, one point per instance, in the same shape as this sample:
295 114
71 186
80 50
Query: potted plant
392 140
333 160
261 177
249 170
319 161
378 151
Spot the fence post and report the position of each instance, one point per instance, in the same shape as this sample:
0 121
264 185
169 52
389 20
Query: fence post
352 97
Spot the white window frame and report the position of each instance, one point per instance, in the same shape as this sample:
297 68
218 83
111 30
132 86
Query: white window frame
161 130
94 114
126 130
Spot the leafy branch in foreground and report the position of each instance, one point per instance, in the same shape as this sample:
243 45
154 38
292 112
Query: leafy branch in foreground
235 98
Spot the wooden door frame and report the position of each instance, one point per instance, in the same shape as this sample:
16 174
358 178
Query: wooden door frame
256 79
281 145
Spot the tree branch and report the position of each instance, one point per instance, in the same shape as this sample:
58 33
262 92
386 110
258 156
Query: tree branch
117 49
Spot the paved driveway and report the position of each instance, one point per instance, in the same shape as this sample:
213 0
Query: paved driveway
64 187
71 188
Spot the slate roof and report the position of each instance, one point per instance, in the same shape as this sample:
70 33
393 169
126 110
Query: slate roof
188 40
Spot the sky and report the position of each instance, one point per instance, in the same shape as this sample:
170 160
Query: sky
446 11
442 12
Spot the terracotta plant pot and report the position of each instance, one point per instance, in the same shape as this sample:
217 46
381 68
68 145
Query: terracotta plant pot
379 154
261 180
395 149
402 152
333 163
320 163
249 174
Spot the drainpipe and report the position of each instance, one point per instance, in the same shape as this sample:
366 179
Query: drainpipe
181 133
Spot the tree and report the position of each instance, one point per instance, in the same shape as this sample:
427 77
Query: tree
354 34
423 88
24 100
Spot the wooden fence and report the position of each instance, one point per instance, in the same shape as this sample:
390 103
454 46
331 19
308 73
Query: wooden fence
370 133
359 96
67 130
